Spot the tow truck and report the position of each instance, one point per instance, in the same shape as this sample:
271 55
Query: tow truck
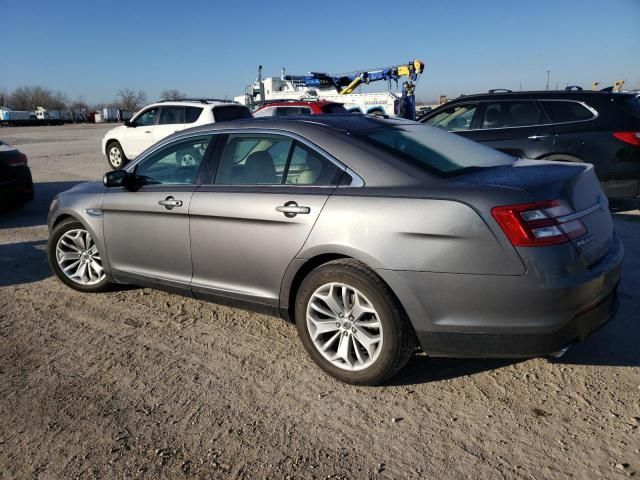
340 88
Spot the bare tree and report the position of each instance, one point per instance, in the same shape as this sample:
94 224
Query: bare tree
130 100
29 98
172 94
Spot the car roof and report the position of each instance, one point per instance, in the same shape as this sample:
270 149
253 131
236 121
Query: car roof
194 103
552 94
344 122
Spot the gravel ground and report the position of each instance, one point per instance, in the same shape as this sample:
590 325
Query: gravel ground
143 384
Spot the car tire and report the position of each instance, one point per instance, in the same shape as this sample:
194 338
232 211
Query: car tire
318 323
115 156
71 239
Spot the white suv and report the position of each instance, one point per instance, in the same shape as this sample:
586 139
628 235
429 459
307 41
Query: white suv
159 120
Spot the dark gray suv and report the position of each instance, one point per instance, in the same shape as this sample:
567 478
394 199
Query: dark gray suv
373 236
601 128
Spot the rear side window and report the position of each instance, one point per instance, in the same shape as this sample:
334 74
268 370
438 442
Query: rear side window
631 105
253 160
191 114
334 108
561 111
306 167
171 115
511 114
292 111
231 112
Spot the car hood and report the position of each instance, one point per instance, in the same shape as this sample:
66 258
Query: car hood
115 131
95 186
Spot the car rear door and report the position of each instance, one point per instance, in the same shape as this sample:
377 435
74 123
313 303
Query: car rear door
146 229
515 127
249 222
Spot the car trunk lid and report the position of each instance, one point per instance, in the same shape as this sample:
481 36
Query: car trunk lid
574 184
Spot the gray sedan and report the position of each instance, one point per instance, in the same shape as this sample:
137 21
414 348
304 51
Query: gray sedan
374 236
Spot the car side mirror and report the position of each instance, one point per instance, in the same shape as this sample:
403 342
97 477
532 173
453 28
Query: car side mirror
127 123
117 178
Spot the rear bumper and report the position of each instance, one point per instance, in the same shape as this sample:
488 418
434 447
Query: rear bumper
538 313
487 345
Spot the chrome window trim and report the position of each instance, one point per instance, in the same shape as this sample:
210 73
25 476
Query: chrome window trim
593 111
357 180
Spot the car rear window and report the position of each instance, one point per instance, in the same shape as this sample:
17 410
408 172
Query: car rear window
561 111
231 112
434 150
191 114
334 108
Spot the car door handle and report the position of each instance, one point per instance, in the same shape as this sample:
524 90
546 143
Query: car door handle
147 131
170 202
537 137
291 209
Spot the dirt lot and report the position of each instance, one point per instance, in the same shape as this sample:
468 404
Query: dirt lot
143 384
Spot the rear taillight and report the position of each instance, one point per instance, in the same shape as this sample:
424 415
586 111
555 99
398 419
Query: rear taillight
17 161
541 223
632 138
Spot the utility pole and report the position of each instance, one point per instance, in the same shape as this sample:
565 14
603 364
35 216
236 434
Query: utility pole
548 73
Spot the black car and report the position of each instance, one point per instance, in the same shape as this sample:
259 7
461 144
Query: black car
16 185
601 128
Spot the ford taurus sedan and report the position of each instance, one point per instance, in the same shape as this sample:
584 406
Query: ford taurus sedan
374 236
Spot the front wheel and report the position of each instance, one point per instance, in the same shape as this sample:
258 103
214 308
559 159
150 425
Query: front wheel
115 156
351 324
75 259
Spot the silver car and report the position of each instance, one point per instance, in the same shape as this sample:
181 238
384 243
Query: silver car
374 236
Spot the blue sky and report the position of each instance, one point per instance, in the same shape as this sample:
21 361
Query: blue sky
206 48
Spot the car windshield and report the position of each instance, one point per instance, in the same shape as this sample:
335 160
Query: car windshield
434 150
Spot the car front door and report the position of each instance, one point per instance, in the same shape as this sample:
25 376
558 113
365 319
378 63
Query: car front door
139 136
516 127
171 120
251 221
146 226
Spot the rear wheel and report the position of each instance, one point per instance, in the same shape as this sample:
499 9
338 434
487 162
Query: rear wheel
351 324
115 156
75 259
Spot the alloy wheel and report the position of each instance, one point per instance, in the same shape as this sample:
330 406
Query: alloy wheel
115 156
78 257
344 326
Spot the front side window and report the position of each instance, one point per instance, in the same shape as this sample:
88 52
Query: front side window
147 118
261 159
171 115
175 164
561 111
512 114
455 118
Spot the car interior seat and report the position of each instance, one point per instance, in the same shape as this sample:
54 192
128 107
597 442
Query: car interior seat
259 169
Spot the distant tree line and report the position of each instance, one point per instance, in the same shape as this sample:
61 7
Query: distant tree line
30 98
